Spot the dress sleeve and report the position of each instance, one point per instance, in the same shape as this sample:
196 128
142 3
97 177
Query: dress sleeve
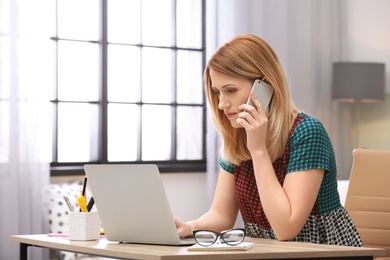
227 166
310 147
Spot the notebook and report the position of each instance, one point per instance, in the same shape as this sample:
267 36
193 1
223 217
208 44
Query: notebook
132 204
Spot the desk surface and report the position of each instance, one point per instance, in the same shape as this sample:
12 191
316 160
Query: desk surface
263 249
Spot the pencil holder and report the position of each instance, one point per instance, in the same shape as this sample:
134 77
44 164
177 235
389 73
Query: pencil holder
83 225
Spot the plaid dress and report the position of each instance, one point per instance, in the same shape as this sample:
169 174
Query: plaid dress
309 147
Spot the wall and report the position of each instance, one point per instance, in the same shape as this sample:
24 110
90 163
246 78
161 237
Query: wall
368 39
187 194
374 125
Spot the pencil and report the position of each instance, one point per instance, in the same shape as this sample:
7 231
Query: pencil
84 186
69 204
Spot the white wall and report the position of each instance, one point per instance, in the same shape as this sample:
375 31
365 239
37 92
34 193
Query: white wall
374 125
187 194
368 33
368 39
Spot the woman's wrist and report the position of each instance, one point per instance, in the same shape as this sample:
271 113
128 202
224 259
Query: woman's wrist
259 154
191 226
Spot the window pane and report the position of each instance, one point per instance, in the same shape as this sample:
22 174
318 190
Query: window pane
157 22
123 134
189 23
78 75
124 21
189 133
77 135
78 19
189 77
156 132
156 75
29 73
124 73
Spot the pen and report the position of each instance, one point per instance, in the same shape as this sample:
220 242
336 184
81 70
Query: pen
84 187
82 204
69 204
90 204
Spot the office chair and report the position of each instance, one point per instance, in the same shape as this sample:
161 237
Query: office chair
368 197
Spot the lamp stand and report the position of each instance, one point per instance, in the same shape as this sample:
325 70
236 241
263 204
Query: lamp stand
357 124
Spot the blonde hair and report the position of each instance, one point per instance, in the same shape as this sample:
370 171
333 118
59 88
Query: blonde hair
247 56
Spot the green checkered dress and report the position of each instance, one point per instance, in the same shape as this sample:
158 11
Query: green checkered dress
309 147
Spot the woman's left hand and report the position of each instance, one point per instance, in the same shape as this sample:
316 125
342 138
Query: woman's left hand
255 122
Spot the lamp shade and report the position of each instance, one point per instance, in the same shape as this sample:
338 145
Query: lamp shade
358 82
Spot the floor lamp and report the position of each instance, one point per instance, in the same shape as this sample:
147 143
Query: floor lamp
358 82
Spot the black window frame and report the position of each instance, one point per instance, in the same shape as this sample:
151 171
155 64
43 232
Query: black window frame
173 165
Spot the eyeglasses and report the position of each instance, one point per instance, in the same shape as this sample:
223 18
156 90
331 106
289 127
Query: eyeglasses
231 237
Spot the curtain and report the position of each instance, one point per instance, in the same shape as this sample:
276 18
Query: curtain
308 37
24 123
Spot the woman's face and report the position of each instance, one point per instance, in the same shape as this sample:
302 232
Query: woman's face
232 92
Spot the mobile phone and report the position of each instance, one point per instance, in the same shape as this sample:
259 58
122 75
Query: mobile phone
263 92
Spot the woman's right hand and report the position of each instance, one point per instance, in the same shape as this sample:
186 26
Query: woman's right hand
255 121
183 229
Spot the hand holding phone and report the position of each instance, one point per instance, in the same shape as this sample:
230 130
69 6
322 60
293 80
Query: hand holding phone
263 92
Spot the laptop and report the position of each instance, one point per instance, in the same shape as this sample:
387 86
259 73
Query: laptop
132 204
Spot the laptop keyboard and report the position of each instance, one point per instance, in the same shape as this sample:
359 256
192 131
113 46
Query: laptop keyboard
187 241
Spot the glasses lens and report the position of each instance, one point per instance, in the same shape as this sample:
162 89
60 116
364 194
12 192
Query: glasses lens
205 238
233 237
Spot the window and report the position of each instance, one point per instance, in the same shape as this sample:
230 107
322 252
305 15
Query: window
129 84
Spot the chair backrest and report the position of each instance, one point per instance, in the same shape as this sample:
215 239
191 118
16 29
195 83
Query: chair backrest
368 197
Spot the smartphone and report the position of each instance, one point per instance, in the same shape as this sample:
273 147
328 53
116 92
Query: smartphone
263 92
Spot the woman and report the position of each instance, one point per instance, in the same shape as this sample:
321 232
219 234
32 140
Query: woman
277 164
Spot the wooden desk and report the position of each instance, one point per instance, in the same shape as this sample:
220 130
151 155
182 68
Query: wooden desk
263 249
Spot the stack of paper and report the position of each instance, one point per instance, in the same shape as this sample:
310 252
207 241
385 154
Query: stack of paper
240 247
